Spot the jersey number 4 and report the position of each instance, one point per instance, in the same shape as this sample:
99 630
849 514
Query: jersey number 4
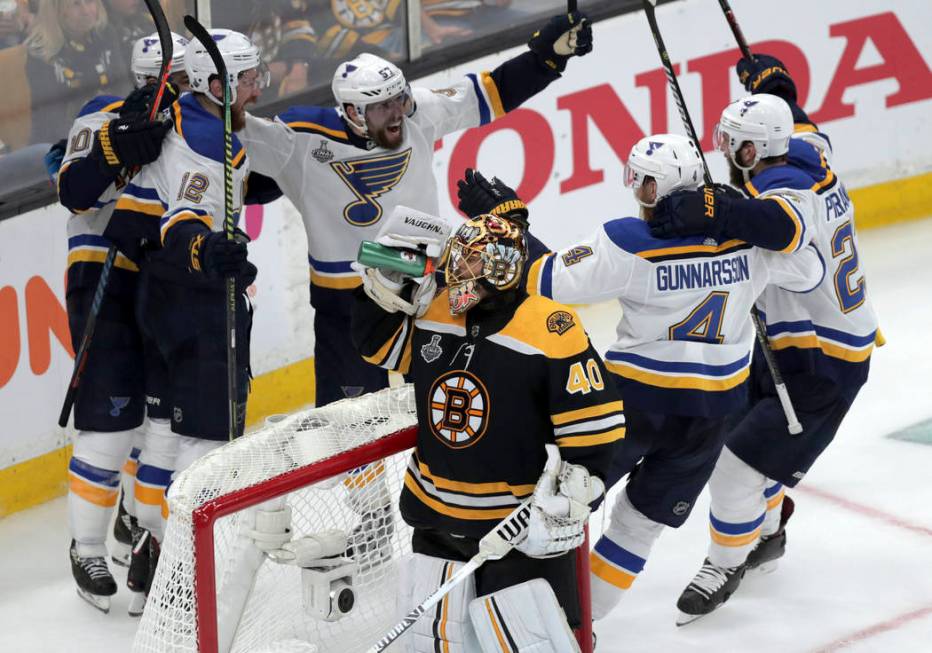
704 323
849 297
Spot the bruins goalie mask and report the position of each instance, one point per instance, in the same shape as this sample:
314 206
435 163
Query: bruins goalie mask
485 256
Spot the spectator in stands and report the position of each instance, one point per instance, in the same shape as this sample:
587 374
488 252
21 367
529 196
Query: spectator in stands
15 19
74 56
130 21
443 21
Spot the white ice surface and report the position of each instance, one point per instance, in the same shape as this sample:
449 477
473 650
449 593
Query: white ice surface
857 576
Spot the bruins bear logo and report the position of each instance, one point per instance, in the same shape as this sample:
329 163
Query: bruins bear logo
559 322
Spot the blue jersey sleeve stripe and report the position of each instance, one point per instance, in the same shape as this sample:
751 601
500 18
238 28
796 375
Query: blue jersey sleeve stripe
330 266
88 240
98 103
142 193
485 116
546 277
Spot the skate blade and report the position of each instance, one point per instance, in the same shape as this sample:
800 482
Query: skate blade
682 618
102 603
121 555
137 604
765 568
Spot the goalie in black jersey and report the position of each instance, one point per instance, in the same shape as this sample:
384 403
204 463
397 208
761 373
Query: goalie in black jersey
497 375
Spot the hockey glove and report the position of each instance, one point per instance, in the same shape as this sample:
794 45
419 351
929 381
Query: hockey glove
700 212
564 36
129 143
54 158
139 102
217 257
766 74
395 292
478 195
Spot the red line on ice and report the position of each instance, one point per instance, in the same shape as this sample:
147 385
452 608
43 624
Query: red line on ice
876 629
861 509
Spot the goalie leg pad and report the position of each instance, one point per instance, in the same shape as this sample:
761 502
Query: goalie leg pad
620 554
94 485
737 510
446 626
524 617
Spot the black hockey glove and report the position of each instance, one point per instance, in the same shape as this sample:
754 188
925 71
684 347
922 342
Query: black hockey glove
139 102
766 74
217 257
562 37
478 195
128 143
700 212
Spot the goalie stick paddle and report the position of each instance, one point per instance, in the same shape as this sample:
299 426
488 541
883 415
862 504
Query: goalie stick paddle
80 359
199 32
494 545
792 423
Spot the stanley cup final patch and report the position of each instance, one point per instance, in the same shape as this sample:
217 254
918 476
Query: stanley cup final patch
322 153
560 322
432 350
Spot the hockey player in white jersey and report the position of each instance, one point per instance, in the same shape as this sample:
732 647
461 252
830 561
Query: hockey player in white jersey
346 167
822 340
682 356
110 137
171 217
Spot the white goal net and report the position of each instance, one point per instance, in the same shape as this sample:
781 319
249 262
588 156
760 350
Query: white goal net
337 467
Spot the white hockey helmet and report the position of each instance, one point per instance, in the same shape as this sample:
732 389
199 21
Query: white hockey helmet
765 120
239 55
147 57
366 80
672 161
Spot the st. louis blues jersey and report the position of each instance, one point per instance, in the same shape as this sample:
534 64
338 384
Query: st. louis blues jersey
343 185
184 186
684 341
830 331
87 247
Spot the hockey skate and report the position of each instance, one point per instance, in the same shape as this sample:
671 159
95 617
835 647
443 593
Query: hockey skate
769 549
123 527
370 543
95 582
711 587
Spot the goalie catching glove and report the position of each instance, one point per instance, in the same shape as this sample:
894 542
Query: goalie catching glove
560 508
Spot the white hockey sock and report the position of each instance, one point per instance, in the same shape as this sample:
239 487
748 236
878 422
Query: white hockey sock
620 554
94 481
737 511
156 463
128 477
773 495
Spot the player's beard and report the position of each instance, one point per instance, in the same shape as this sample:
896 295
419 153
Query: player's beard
387 139
238 116
735 174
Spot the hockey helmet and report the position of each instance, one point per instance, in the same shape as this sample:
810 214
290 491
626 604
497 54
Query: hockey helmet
486 251
147 57
671 160
367 80
239 55
765 120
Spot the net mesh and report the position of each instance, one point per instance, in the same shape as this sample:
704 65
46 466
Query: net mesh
359 498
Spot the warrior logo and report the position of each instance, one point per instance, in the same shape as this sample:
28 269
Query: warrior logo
369 179
322 154
559 322
459 409
119 403
432 350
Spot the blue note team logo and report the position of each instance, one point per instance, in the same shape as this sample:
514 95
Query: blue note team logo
458 409
369 179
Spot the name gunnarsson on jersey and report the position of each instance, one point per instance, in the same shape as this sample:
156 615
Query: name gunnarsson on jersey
682 276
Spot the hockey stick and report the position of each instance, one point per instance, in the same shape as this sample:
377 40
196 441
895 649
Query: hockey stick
736 29
792 422
495 545
570 6
80 359
199 32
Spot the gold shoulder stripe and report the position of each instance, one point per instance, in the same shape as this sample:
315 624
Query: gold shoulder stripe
530 326
592 440
439 311
559 419
313 126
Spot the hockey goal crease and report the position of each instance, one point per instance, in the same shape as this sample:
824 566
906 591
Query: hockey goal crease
339 467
